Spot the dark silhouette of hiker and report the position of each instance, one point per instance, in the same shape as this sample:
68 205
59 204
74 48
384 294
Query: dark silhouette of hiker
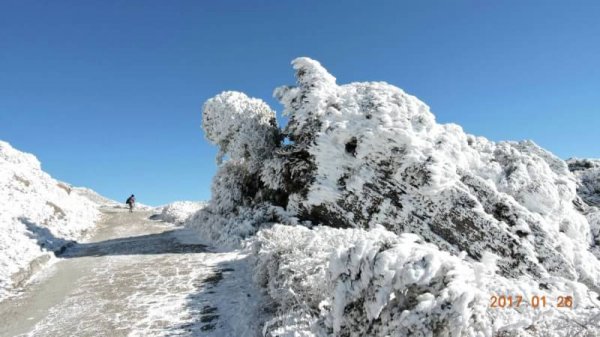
131 202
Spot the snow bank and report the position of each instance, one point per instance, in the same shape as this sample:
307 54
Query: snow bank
354 282
229 230
178 212
35 210
361 155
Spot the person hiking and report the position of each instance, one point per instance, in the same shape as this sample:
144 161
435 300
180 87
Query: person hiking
131 202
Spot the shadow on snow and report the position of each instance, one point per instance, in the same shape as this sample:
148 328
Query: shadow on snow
150 244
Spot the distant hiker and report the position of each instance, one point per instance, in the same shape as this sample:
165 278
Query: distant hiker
131 202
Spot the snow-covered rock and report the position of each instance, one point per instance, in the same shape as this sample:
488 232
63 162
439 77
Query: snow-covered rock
179 211
587 172
361 155
38 215
378 157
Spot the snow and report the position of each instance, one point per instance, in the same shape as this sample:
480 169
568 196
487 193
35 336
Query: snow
179 211
34 208
427 217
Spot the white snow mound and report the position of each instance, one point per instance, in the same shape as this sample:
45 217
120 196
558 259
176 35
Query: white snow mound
38 215
179 211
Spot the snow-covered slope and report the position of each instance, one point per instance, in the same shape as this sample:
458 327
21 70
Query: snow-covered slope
362 155
93 196
34 210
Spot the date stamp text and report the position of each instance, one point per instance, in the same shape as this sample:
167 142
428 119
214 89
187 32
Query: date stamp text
534 301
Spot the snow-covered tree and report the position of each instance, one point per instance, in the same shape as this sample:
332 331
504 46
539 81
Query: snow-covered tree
244 128
246 132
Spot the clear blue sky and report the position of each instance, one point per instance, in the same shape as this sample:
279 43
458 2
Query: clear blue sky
108 94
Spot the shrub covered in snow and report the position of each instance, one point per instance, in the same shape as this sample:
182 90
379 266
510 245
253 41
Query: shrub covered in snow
361 155
37 215
353 282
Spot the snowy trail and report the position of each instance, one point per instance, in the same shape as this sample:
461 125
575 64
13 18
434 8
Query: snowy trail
136 278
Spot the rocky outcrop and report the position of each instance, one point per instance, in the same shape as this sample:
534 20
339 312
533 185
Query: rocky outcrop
362 154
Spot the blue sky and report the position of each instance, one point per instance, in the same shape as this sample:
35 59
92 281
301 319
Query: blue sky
108 94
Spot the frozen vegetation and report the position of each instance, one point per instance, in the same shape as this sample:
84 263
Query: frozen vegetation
34 209
366 217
